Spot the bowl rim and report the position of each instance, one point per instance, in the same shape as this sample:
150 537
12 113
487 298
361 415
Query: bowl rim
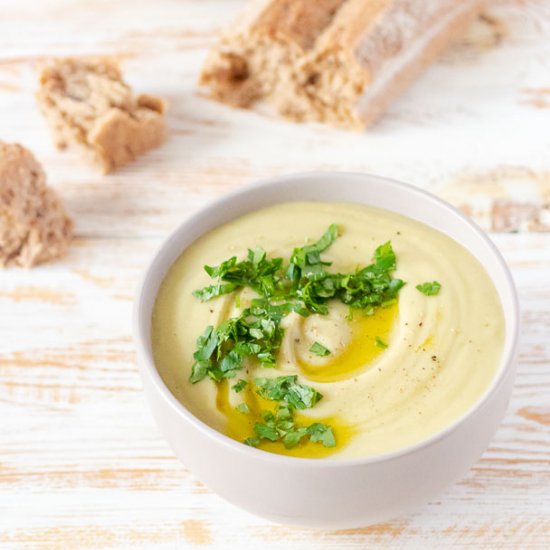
148 369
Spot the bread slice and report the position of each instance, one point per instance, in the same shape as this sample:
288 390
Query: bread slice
336 61
34 227
88 106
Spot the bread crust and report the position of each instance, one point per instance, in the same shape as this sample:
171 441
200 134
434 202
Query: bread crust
336 61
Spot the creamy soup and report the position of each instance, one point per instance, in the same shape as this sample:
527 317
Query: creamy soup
389 376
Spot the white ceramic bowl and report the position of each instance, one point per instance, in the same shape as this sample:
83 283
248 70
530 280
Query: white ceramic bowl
329 493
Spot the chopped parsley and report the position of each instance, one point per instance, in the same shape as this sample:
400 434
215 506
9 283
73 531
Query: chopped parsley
256 272
305 285
429 289
280 425
240 385
222 351
243 408
321 433
287 389
379 343
319 349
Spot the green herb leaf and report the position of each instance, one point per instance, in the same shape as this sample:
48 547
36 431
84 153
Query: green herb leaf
310 253
294 437
206 344
321 433
230 363
319 349
384 257
257 272
240 385
198 372
429 289
213 291
379 343
243 408
287 389
265 431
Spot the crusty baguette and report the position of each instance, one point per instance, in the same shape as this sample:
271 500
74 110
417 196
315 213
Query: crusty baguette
34 227
335 61
88 106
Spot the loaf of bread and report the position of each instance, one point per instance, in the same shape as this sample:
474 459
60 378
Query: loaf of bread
34 227
89 107
336 61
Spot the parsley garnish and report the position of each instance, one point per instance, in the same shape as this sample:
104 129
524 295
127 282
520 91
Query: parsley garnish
255 333
319 349
429 289
256 272
240 385
321 433
379 343
287 389
304 286
281 425
243 408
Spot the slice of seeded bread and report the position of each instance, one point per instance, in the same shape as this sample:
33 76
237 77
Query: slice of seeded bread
34 227
89 107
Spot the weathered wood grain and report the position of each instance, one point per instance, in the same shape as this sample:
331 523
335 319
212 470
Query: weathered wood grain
465 120
81 462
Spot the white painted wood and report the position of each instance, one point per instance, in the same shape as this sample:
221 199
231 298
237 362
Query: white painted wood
81 462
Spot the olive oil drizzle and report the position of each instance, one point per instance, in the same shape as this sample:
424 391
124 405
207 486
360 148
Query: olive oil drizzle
360 353
239 425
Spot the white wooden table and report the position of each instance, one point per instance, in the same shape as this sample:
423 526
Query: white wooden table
82 464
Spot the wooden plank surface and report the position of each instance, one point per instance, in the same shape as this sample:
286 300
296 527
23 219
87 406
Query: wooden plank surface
82 464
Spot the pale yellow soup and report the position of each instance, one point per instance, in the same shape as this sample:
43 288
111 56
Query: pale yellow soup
443 351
